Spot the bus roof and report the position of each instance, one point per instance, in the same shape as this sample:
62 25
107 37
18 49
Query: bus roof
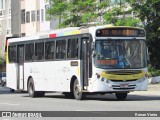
66 32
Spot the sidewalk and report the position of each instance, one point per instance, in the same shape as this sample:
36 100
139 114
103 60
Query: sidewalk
153 89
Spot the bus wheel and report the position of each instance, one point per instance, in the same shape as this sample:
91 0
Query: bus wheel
68 94
12 90
77 92
31 89
40 93
121 96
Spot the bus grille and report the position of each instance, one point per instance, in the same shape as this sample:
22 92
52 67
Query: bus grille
123 80
118 87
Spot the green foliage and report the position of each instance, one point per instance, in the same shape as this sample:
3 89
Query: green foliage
83 12
119 16
127 21
153 71
73 12
2 60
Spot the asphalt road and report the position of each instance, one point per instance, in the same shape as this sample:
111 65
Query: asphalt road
136 101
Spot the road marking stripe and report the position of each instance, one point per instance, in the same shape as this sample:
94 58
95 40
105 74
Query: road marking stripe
8 104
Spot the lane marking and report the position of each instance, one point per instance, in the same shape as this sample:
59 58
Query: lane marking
8 104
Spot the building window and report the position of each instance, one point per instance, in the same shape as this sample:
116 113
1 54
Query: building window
42 15
29 52
1 12
39 51
33 16
38 15
23 34
72 52
23 16
61 49
49 50
1 4
28 17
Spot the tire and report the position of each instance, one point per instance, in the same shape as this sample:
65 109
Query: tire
40 93
68 94
31 90
121 96
3 83
78 95
12 90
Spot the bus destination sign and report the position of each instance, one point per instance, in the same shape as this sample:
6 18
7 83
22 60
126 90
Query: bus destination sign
120 32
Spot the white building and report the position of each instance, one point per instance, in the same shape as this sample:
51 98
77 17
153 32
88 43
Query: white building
31 17
5 22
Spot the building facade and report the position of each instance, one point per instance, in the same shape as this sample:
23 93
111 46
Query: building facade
5 23
29 17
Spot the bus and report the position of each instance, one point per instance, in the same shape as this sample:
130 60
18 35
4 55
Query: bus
77 61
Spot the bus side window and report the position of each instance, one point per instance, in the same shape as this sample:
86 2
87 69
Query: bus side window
49 50
29 52
72 50
60 49
12 54
39 51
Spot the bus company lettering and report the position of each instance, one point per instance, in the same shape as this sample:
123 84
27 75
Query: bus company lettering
107 62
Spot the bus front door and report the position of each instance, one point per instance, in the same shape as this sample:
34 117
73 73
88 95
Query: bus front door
85 59
20 61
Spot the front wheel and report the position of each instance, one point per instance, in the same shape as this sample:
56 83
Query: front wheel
31 90
78 94
68 94
121 96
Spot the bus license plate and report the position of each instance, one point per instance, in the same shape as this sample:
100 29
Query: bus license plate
124 86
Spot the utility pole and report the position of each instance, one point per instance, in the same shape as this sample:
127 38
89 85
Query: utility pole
4 28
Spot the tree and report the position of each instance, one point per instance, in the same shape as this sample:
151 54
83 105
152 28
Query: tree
72 12
2 60
58 9
119 15
149 12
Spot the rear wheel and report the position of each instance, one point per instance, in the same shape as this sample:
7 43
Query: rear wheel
12 90
3 83
78 95
31 90
121 96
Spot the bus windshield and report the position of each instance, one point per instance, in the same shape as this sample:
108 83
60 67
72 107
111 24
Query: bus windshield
120 54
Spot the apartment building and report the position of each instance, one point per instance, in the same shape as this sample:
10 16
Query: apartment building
5 23
29 17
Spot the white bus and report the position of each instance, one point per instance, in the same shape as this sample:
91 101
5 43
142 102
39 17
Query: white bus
77 61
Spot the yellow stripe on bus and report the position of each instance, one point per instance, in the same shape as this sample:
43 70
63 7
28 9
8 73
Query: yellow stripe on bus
7 61
78 71
122 77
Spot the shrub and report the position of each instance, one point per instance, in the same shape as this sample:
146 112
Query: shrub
152 71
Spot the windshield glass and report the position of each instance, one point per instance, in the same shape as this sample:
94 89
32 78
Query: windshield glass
120 54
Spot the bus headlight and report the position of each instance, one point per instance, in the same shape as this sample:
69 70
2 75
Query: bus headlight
141 80
102 79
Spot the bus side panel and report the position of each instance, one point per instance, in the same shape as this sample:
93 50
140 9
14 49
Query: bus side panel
59 74
51 75
36 71
12 76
